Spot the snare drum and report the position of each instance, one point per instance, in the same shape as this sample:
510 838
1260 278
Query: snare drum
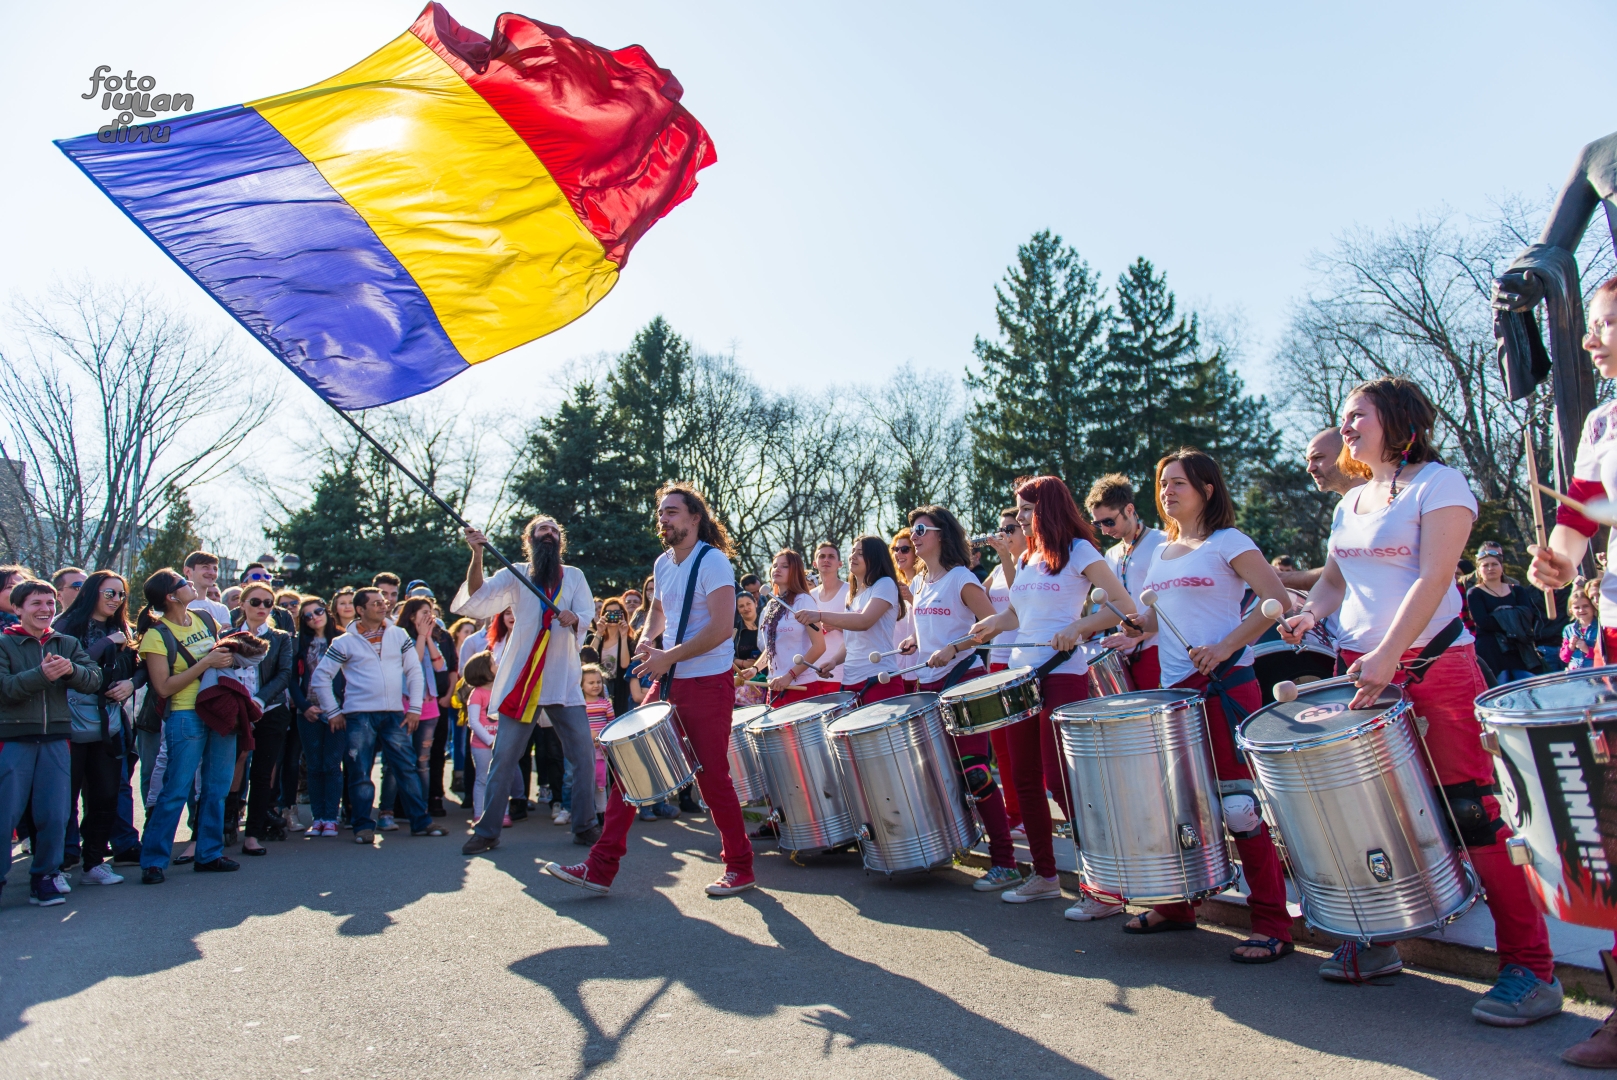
1368 834
648 754
1109 674
989 702
746 770
801 777
899 775
1150 822
1550 734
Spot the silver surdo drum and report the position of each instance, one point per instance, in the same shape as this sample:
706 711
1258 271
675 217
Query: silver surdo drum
1367 832
899 775
990 702
1150 822
1557 783
1109 674
746 769
648 753
803 786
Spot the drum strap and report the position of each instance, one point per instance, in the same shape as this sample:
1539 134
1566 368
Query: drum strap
1227 677
957 672
666 684
1434 649
1051 664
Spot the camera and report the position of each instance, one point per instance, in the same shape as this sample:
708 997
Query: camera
614 616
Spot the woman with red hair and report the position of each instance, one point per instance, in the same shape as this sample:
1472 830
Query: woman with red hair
1048 587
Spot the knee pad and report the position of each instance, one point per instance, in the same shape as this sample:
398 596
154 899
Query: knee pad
1241 816
1477 827
979 779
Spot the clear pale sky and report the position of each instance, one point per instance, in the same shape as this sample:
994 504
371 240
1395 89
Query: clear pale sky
879 163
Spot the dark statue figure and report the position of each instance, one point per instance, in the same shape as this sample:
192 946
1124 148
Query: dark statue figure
1547 272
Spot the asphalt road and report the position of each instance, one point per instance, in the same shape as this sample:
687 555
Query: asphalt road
327 960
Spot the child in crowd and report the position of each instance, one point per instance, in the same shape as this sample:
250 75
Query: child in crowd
481 725
1581 634
598 706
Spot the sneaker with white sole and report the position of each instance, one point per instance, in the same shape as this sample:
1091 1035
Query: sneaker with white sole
330 829
731 883
100 874
1518 998
316 829
562 817
61 883
577 874
1090 908
1034 888
1354 962
998 877
387 824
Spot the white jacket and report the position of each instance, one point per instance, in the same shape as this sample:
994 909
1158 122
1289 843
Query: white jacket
377 678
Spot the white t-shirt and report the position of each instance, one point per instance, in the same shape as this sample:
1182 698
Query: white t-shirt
999 594
879 638
791 638
1378 551
941 617
833 638
1596 462
1131 568
1047 602
1201 594
715 573
220 613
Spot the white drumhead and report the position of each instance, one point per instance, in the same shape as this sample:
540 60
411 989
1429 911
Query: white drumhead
635 721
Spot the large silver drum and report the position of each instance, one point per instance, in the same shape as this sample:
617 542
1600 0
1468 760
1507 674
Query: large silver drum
809 808
1109 674
746 769
648 753
898 772
1150 822
1367 833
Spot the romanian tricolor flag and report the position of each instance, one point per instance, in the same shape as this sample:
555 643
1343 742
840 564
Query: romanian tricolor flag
446 199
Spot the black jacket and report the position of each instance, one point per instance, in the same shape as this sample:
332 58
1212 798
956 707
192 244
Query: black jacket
1507 644
275 671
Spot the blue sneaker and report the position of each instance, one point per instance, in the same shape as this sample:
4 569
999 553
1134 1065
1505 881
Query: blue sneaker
666 810
42 891
1518 998
648 813
998 877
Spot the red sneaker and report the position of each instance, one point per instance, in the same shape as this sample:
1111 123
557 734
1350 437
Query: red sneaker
731 883
577 874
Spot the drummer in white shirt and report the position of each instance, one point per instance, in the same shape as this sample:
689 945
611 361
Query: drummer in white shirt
830 594
1009 544
1394 544
1050 584
783 639
865 625
1110 503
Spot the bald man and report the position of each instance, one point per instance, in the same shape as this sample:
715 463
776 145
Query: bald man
1320 460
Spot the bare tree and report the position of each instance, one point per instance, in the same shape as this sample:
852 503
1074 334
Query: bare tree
113 401
927 453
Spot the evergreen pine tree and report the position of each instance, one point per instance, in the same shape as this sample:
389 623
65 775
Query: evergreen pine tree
1033 388
172 542
644 389
580 473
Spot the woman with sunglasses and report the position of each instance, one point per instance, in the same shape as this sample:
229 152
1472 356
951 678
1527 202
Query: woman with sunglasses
1050 585
870 612
323 749
268 683
99 618
948 602
905 568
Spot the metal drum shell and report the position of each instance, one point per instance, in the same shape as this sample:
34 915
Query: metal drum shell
990 702
902 784
1109 674
1118 751
746 768
652 763
1353 804
800 773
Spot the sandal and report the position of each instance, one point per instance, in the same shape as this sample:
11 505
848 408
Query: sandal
1141 924
1276 947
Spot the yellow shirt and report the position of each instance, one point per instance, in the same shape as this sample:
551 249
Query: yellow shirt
195 639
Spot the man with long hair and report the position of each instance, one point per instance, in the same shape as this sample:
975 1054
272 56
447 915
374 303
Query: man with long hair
539 670
693 608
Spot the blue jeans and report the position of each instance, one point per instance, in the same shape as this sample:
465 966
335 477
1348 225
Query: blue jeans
124 834
421 746
1513 675
46 770
192 745
323 751
365 731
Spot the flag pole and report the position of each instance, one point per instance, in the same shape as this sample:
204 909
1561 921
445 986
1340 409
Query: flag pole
445 507
1537 502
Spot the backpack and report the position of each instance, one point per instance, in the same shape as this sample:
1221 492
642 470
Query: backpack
154 708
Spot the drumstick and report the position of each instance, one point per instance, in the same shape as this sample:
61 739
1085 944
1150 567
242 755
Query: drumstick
1098 595
878 657
884 677
1149 599
1538 504
1286 690
1016 645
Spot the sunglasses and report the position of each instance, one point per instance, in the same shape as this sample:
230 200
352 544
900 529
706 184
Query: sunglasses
314 611
113 594
258 602
921 528
75 585
1106 522
1010 530
255 576
902 549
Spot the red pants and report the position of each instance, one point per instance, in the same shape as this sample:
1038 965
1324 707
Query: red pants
878 691
1002 755
1260 863
1145 668
704 703
1446 696
1037 768
797 693
1001 851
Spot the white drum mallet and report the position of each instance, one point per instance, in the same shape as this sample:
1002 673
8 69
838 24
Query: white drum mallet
1101 597
885 677
878 657
1286 690
1271 609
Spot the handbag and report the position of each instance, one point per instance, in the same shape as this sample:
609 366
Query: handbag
89 717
